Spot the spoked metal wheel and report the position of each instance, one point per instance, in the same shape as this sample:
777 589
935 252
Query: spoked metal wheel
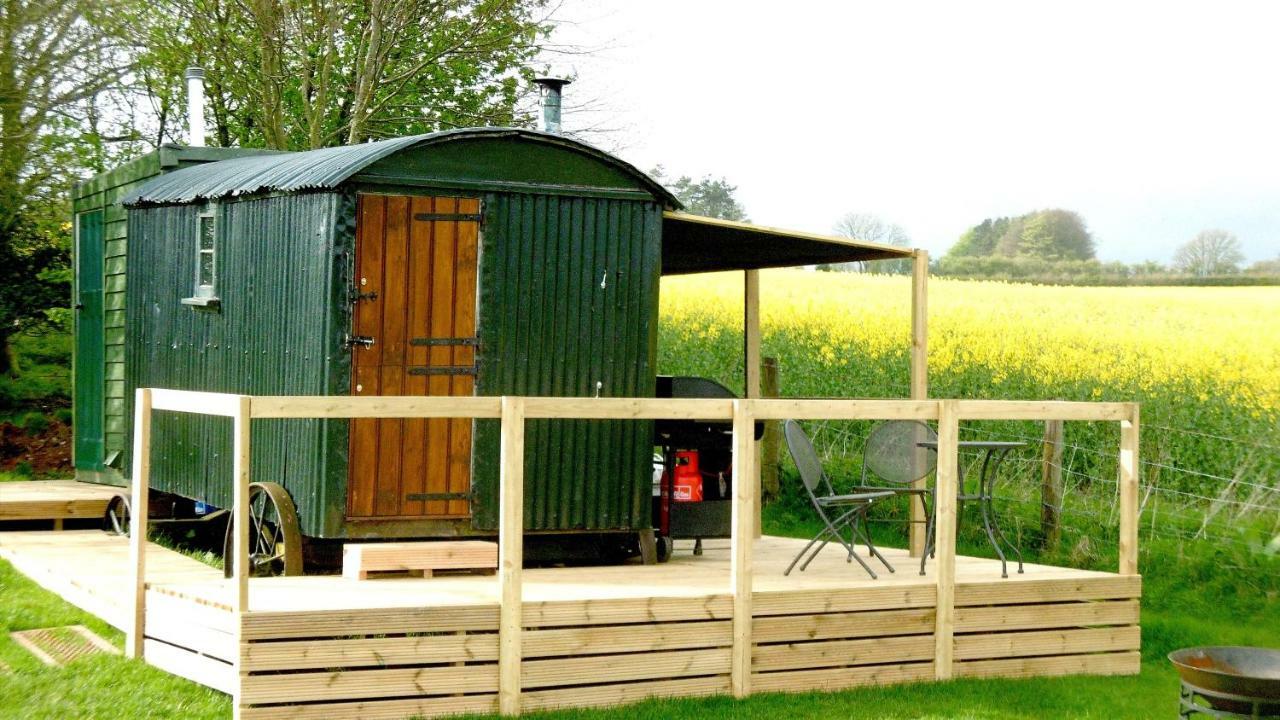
115 520
275 543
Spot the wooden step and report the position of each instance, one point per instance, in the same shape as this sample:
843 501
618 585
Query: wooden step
418 558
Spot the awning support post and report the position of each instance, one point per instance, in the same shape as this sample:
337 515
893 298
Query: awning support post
919 375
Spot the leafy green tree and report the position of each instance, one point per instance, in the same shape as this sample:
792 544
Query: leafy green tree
1211 252
303 74
55 60
709 197
980 240
1045 234
870 228
1049 235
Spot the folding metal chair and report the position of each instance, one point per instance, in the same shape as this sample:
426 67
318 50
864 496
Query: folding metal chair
893 455
839 513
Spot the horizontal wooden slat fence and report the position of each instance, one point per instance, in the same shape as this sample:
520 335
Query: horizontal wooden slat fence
938 636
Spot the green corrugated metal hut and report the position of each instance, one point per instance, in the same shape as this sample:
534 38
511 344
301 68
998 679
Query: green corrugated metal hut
488 261
98 297
491 261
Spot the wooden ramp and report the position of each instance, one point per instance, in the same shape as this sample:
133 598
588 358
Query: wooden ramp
333 647
55 500
90 568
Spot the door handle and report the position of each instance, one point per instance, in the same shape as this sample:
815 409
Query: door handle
363 340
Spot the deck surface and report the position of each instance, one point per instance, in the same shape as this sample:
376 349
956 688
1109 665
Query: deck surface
54 500
61 555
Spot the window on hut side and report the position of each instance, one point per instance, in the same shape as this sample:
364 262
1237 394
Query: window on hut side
207 255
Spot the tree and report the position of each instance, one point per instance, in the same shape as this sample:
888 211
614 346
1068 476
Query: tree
1264 267
710 197
1048 235
1211 252
304 74
980 240
56 58
870 228
1054 234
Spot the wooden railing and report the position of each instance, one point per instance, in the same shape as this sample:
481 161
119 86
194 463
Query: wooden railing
514 411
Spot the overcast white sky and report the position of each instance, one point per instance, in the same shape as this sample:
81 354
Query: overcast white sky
1153 121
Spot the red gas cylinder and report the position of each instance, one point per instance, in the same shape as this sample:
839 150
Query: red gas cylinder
688 479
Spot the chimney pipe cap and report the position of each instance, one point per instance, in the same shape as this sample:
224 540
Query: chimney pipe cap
553 83
195 72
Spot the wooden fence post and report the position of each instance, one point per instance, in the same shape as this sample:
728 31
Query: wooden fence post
242 453
919 377
1051 484
1128 489
510 555
743 536
136 631
771 443
945 530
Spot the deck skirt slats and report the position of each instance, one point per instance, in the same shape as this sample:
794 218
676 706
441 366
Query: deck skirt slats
329 647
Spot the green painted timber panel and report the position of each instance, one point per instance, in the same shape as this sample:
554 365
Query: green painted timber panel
272 335
568 307
90 346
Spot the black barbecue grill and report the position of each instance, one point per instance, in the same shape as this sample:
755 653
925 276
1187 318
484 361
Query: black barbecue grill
713 441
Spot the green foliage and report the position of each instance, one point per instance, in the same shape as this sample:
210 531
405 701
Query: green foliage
1052 234
709 197
1080 272
300 75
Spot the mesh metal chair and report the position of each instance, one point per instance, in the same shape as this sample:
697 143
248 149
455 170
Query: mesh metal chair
839 513
893 456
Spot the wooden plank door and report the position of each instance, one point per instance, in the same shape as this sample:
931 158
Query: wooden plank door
413 333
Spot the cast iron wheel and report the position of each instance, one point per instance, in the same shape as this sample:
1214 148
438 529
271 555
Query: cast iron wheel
116 519
665 547
275 543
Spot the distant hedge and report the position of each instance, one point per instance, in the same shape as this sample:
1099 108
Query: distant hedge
1079 272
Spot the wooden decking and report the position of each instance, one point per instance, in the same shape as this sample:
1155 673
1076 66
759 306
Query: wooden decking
55 500
322 647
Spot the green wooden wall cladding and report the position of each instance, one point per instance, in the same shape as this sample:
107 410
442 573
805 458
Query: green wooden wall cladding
90 364
569 299
273 333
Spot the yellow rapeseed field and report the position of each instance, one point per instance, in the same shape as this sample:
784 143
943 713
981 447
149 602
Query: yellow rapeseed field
1201 343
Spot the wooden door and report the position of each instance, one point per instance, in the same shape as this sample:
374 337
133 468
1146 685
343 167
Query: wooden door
413 333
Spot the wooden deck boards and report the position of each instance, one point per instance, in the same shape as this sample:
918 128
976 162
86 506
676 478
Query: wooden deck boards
54 500
592 635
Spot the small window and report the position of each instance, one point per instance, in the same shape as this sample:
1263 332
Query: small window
206 270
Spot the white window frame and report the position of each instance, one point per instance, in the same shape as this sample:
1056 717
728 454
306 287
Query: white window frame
202 290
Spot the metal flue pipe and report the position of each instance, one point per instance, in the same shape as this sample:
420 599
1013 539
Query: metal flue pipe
195 106
550 90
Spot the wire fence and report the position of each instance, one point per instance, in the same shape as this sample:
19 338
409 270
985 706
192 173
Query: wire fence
1240 511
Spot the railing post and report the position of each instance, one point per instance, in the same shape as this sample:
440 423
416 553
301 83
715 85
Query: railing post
919 375
945 529
743 536
751 367
242 453
1051 483
1128 489
510 554
240 500
138 509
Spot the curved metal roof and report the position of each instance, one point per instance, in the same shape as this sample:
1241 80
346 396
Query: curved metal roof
330 167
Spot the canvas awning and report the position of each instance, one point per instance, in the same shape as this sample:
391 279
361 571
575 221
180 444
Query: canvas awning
695 244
